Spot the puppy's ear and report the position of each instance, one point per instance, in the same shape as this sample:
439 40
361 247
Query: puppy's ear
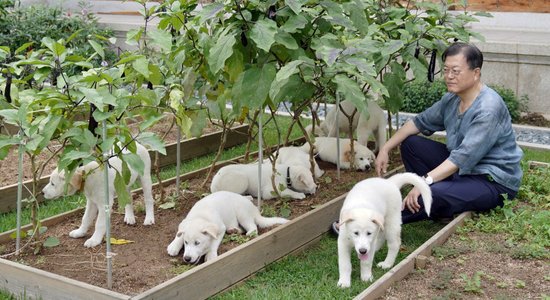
345 216
347 156
76 180
378 219
211 230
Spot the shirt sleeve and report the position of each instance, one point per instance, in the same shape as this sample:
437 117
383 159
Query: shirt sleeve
431 120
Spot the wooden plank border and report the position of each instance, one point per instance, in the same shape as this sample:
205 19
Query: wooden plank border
191 148
31 283
404 267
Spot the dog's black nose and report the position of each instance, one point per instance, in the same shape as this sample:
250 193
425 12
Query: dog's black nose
363 251
187 258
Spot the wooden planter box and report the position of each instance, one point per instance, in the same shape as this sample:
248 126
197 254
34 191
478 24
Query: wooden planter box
214 276
190 148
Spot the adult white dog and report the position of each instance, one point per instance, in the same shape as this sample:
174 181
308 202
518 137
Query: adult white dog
326 148
371 214
203 228
296 181
295 156
90 179
365 126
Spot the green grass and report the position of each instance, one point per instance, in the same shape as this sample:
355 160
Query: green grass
313 274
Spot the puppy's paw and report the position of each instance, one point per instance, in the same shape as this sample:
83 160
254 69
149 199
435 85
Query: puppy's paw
130 220
149 221
344 283
173 250
384 265
367 277
77 233
233 231
299 196
92 242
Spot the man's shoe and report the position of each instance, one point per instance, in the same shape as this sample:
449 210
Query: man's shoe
335 228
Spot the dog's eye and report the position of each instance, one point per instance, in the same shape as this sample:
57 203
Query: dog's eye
369 233
360 158
356 233
197 243
185 242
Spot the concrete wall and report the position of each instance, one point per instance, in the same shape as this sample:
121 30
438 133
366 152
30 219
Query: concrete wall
517 55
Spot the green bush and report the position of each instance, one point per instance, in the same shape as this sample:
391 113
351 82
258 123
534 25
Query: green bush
30 24
421 95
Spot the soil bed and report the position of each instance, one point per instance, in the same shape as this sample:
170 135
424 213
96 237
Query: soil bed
144 263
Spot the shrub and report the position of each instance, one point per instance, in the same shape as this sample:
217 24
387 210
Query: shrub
30 24
420 95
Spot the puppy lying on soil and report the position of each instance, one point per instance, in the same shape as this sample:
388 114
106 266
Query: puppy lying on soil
90 179
294 156
293 181
325 147
203 228
373 124
371 214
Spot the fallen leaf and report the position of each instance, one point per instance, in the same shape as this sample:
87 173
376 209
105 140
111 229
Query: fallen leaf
120 241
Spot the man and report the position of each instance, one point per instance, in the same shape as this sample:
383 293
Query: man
479 166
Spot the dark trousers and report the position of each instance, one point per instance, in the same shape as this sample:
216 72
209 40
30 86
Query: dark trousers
456 193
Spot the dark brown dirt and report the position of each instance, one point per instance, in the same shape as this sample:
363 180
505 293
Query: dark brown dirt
475 266
534 119
144 263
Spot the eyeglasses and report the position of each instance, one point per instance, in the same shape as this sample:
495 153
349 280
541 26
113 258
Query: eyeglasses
454 72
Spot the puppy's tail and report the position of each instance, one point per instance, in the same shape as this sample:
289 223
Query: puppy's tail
410 178
268 222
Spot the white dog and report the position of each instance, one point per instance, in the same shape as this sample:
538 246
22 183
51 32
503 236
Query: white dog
294 156
373 124
371 214
210 218
326 149
292 181
90 179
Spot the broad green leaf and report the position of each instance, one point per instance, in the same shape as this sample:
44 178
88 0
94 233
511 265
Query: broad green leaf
23 47
287 40
98 48
392 46
133 36
10 116
76 155
51 241
134 162
142 66
295 5
288 70
123 195
152 142
150 121
22 234
210 11
256 84
155 74
294 23
263 33
161 38
394 84
350 90
49 129
8 141
235 65
221 51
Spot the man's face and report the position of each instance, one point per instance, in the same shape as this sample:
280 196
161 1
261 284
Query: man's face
458 75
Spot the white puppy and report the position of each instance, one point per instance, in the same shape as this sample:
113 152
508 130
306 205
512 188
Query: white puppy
210 218
373 124
294 156
292 181
326 149
90 179
371 214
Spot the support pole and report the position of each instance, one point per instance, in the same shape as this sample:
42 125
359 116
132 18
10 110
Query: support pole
337 135
107 207
19 192
260 157
178 162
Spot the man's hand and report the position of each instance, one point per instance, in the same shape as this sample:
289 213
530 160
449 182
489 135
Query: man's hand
381 163
411 201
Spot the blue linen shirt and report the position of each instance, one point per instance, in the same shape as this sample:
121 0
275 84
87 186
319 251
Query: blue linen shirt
481 140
